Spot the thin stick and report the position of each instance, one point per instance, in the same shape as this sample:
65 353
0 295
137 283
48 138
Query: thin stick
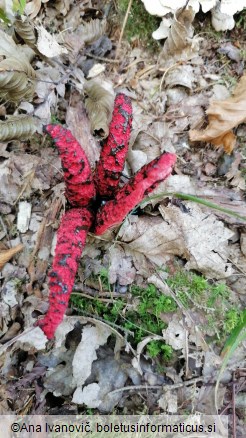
123 28
101 58
164 388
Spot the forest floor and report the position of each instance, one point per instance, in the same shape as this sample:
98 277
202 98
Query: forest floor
155 300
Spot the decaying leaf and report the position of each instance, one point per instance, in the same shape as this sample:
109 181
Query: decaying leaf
92 338
224 115
192 234
17 128
99 106
183 75
25 30
121 268
24 215
33 7
16 72
92 30
47 44
180 44
6 255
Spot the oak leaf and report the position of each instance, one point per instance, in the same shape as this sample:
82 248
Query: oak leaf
223 116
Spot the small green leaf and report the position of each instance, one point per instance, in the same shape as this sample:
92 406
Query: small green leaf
3 16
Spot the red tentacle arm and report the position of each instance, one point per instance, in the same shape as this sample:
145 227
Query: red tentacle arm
114 150
80 188
71 237
147 178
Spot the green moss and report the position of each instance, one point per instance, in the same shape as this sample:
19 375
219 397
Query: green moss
210 298
140 23
142 316
142 313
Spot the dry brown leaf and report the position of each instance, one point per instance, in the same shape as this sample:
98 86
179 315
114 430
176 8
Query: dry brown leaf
223 115
7 254
180 44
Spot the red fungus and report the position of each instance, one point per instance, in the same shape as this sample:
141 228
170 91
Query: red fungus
80 188
80 191
71 237
132 193
114 150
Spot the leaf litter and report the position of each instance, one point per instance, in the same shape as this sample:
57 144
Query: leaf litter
169 102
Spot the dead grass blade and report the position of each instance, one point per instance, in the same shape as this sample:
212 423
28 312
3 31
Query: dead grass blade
7 254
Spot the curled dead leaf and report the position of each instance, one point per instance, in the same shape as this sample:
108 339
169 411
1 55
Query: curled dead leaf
180 44
6 255
17 128
99 104
16 72
25 30
92 30
223 115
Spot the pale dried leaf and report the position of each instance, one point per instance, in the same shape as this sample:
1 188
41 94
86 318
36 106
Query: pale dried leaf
121 268
7 45
24 215
181 75
175 335
193 234
47 44
223 116
34 337
16 173
154 238
6 255
33 7
92 338
169 402
17 128
206 239
137 159
99 106
89 395
96 70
